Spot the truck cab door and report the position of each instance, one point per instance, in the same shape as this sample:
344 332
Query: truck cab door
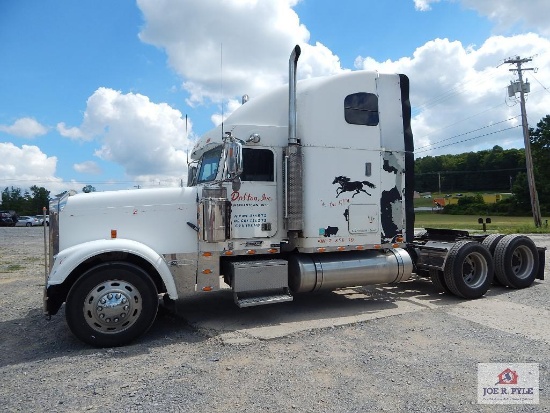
254 205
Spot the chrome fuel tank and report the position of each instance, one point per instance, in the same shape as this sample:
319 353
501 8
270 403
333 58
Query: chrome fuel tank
313 272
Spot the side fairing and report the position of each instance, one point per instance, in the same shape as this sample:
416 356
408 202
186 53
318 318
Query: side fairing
392 199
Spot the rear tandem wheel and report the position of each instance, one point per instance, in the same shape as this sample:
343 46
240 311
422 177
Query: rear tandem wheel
516 261
468 270
491 242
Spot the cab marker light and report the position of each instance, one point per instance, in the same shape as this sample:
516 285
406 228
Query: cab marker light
322 249
251 252
207 271
113 233
341 248
208 288
206 254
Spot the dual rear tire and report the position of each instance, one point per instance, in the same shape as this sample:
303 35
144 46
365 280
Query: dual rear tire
468 270
471 267
516 261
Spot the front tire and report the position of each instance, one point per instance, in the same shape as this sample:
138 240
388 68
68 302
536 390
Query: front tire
468 269
111 305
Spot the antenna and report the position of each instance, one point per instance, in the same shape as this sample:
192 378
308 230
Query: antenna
221 81
186 137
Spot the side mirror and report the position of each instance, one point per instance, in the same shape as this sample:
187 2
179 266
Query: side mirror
236 184
233 159
191 174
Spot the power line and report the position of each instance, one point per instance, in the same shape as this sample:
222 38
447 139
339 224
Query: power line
544 87
456 90
460 121
466 140
466 133
468 172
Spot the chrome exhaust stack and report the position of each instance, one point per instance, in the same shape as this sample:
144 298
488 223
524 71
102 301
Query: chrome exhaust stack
292 168
292 116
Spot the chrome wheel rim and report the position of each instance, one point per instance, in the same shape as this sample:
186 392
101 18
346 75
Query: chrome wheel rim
522 262
474 270
112 306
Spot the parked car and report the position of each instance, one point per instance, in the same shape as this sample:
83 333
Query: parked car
26 222
40 219
8 218
6 222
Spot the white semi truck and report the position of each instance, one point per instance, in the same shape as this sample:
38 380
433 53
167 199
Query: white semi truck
307 188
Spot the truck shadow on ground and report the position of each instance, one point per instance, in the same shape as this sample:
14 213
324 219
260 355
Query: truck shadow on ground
217 315
33 338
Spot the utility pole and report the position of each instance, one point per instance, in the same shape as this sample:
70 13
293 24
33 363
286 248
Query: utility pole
512 89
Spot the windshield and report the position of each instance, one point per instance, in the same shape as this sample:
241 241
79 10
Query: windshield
209 163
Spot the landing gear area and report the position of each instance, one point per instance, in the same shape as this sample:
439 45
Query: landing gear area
466 266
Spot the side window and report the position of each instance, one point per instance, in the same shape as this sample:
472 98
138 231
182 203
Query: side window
361 109
209 163
258 165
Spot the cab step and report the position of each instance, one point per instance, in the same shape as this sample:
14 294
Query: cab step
266 299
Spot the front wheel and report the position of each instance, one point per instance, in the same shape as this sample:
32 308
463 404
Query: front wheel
28 224
111 305
468 269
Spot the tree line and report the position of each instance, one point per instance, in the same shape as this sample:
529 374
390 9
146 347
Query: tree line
491 170
494 169
28 202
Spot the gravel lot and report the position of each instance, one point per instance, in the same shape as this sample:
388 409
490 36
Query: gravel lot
420 359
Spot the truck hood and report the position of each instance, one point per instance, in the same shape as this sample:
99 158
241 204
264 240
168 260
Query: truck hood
155 217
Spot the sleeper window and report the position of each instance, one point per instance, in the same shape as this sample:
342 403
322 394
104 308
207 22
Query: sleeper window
361 109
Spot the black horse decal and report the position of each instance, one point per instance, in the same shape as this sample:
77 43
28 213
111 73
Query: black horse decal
347 186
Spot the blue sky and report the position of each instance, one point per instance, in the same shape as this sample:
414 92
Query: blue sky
97 92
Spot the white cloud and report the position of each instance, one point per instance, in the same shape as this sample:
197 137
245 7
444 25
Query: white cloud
229 108
456 90
531 15
25 128
26 166
73 133
88 167
424 5
145 138
256 36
